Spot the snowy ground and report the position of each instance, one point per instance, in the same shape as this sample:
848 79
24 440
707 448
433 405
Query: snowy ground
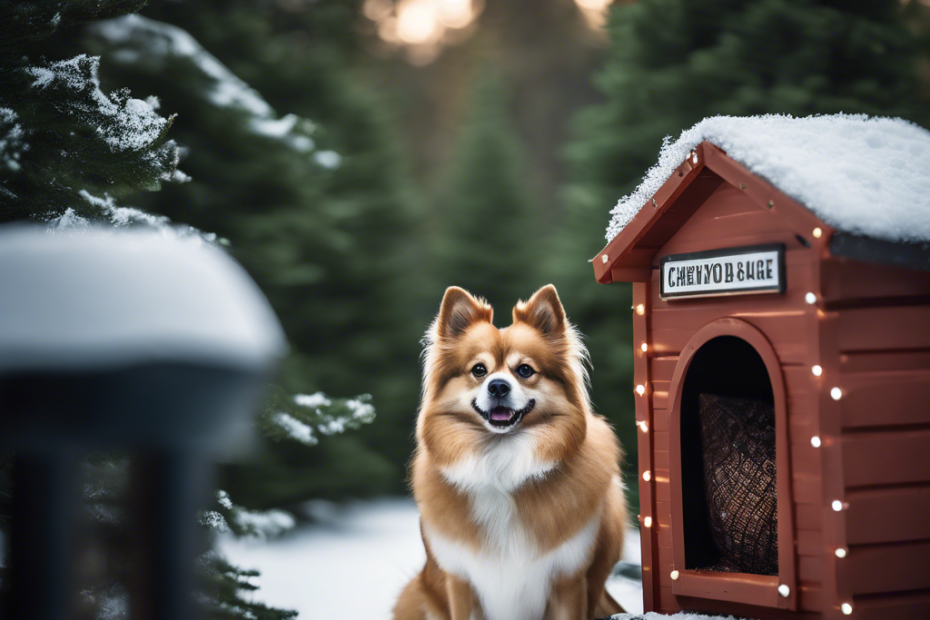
354 563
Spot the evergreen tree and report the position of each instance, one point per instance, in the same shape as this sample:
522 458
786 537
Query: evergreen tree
314 210
66 147
489 231
674 62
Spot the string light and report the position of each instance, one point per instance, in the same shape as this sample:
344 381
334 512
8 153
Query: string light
815 441
640 389
674 575
817 370
604 258
647 521
784 590
840 552
644 347
836 393
647 475
643 426
818 233
846 608
694 157
810 298
640 309
837 505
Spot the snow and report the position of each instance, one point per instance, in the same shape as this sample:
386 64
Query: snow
353 563
295 429
317 399
130 124
362 411
98 298
164 41
863 175
120 217
328 159
12 144
150 41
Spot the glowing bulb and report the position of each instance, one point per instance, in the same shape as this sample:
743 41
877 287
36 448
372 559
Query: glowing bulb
647 475
640 389
818 233
456 13
604 258
643 426
784 590
640 309
815 441
417 22
647 521
817 370
837 505
810 298
644 347
674 575
847 608
840 552
836 393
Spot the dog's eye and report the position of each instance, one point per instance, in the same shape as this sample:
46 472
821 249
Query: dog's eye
525 371
479 370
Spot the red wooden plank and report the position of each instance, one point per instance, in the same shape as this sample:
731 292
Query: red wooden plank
883 397
893 606
808 516
886 457
887 568
888 515
864 283
809 542
875 329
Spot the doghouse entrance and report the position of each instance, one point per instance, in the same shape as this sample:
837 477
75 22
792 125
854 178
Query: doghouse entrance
729 499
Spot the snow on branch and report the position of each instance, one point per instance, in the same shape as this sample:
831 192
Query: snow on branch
156 46
243 522
304 417
125 124
105 211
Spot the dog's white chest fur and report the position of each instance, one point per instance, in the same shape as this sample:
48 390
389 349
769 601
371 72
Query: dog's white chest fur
510 574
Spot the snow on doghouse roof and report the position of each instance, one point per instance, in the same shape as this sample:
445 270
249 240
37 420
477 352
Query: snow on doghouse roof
861 175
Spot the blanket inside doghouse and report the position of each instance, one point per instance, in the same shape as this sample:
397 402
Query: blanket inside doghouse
738 445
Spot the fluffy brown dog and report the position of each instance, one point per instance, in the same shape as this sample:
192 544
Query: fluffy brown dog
517 480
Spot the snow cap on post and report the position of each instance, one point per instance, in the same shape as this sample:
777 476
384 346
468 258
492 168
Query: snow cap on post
94 299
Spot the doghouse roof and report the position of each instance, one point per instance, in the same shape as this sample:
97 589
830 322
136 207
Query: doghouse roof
866 179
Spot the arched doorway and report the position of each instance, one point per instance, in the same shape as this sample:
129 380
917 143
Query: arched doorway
728 461
728 382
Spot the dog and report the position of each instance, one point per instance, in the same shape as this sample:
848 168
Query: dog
517 481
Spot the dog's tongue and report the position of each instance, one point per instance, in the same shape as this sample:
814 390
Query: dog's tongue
501 414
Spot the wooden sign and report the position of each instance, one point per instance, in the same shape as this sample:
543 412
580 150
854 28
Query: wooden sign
730 271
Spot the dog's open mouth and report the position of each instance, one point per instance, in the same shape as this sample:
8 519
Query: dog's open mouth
503 417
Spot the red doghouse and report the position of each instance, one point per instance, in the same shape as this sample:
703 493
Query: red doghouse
781 291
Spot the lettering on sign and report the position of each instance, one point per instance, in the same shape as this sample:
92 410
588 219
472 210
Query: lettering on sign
731 271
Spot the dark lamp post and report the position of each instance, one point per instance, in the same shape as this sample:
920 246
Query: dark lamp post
133 341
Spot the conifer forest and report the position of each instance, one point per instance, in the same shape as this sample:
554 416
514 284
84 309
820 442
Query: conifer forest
357 157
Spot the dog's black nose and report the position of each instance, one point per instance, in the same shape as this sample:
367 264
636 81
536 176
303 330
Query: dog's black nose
499 388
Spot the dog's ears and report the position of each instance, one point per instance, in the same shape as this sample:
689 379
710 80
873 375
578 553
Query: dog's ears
543 311
459 310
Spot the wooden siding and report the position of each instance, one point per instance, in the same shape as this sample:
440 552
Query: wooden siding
881 364
789 324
